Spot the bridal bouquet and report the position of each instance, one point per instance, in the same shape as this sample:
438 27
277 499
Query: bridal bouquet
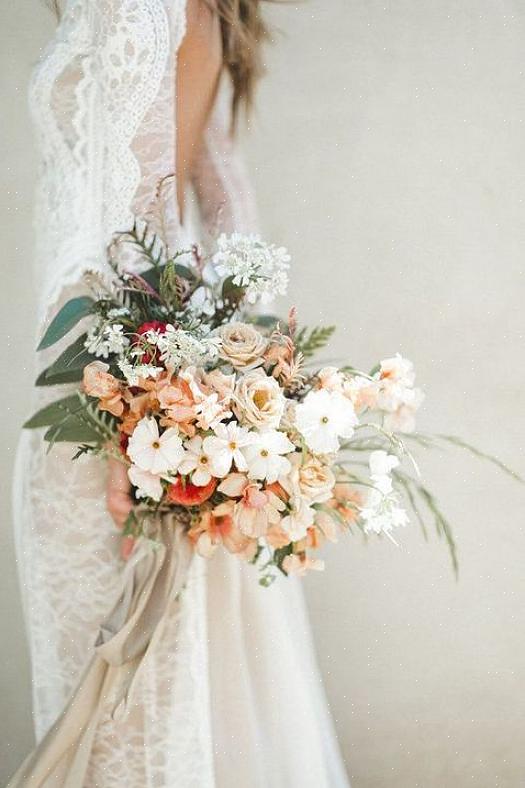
223 417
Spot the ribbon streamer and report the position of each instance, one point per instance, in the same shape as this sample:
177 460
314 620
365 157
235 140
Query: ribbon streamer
152 581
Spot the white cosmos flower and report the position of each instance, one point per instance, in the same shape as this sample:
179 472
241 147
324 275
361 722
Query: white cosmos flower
322 418
197 462
224 448
152 451
148 484
264 455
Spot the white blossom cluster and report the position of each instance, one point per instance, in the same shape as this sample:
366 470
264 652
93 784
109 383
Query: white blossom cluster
382 512
260 268
103 340
178 346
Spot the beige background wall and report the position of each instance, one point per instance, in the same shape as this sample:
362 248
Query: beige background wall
388 150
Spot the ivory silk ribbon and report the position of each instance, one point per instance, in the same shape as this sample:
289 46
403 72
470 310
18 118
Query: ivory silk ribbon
152 581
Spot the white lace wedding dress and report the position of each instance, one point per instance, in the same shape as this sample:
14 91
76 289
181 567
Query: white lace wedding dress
231 694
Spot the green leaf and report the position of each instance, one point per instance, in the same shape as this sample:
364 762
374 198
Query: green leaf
72 360
308 342
230 292
55 412
72 430
69 376
185 272
66 319
267 321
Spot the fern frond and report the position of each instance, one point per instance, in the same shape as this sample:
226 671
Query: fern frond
310 341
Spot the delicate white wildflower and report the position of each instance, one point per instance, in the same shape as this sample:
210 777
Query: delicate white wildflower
264 455
323 418
152 451
225 448
382 512
197 462
202 302
381 466
106 341
133 373
148 484
121 311
258 267
178 346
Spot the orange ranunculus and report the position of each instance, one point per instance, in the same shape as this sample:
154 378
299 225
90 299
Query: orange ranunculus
185 493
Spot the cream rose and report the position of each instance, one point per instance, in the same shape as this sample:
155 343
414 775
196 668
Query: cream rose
316 480
258 400
242 345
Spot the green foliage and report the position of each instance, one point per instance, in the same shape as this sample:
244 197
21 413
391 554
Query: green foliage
74 419
66 319
171 287
308 342
68 367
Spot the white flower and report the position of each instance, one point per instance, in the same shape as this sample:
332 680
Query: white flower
148 484
154 452
264 455
258 267
133 373
196 461
224 448
381 463
110 339
299 519
383 513
324 417
178 346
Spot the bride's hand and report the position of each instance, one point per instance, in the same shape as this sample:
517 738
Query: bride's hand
118 500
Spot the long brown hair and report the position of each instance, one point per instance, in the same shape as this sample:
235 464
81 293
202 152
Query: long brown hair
243 32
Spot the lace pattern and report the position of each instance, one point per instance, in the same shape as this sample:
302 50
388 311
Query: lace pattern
103 101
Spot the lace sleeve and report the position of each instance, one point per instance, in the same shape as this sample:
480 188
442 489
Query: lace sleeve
103 102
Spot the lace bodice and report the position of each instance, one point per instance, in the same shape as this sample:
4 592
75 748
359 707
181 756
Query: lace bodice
103 99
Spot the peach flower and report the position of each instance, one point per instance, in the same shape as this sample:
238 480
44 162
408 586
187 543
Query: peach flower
217 526
98 382
299 564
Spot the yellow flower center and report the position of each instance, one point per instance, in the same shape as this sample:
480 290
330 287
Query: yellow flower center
156 445
203 460
264 452
233 445
325 420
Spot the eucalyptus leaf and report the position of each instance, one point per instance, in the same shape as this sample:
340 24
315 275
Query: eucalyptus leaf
55 412
46 378
74 358
71 313
72 430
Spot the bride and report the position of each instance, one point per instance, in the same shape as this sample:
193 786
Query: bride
128 92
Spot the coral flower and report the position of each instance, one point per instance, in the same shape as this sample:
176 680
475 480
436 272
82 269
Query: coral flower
217 527
187 494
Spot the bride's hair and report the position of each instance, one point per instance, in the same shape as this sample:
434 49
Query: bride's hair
243 31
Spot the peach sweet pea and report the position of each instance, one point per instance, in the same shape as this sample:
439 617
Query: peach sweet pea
216 527
98 382
299 564
257 510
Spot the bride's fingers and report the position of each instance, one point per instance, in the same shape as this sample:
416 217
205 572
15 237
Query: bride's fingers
118 499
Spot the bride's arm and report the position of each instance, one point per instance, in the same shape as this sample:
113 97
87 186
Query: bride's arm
198 70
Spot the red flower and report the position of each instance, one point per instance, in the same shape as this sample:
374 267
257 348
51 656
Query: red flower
185 493
124 440
152 325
